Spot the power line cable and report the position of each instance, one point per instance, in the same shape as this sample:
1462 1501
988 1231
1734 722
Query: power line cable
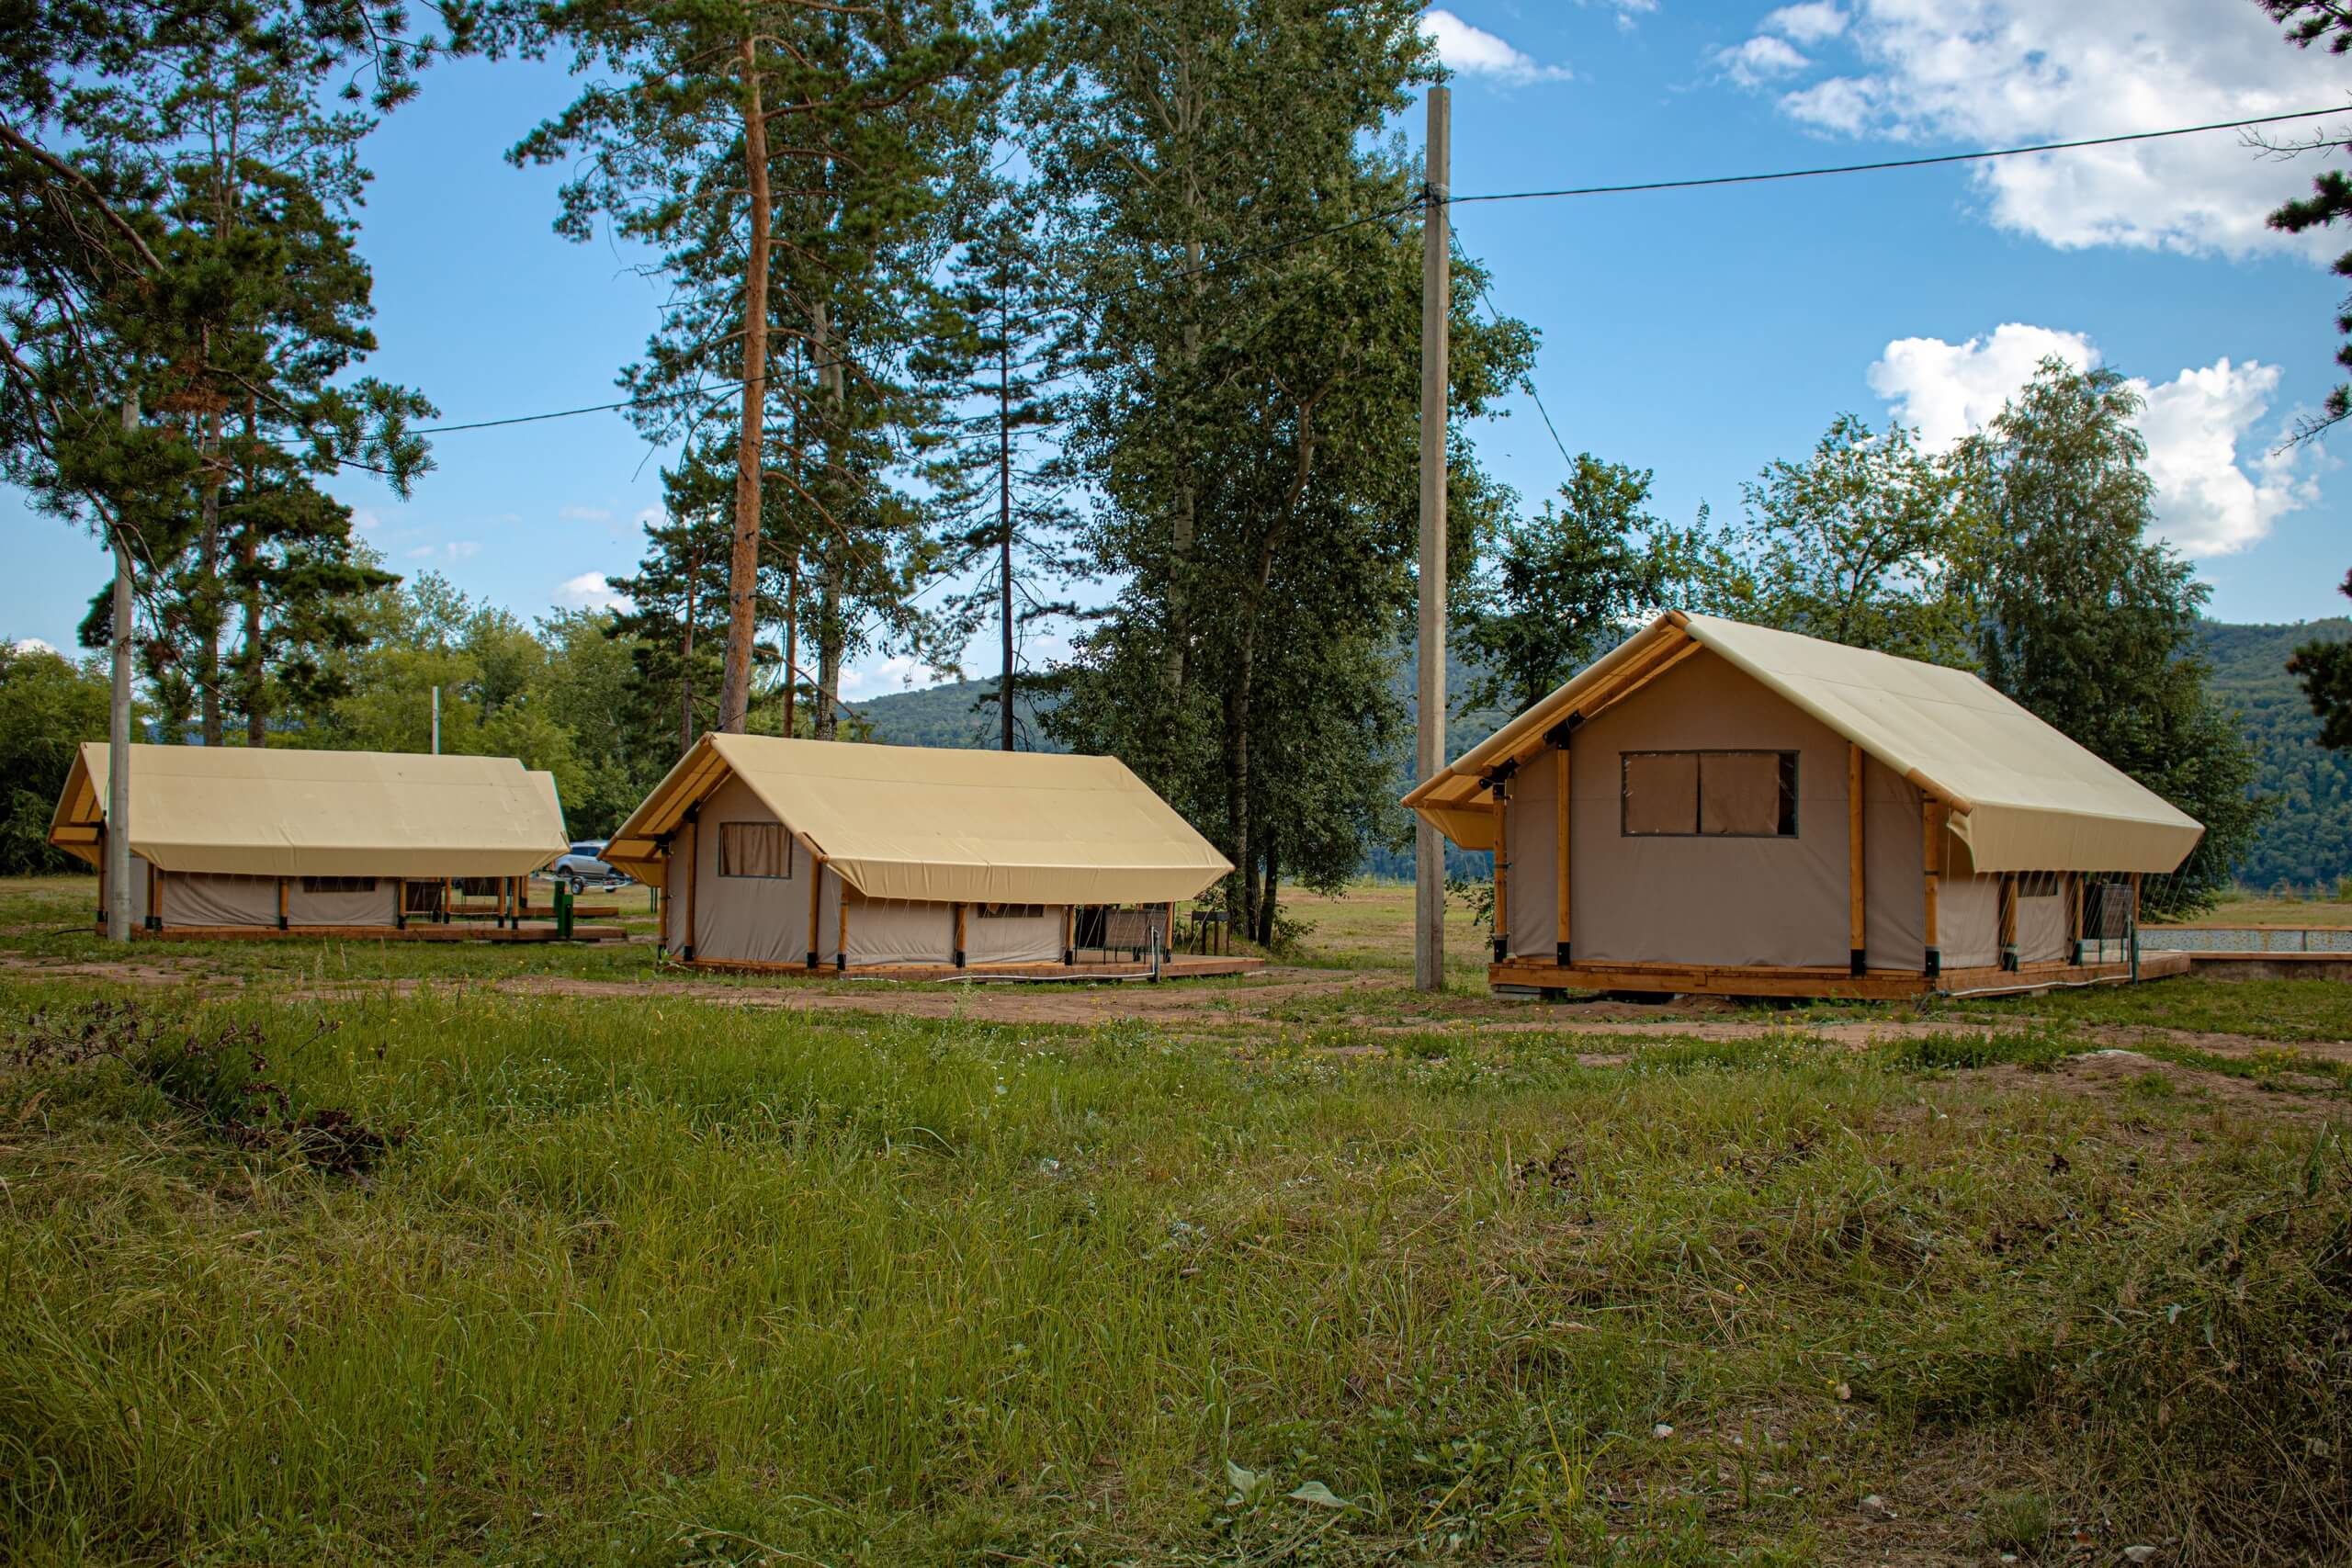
1895 162
1527 382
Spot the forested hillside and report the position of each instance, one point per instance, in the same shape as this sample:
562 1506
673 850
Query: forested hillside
2307 839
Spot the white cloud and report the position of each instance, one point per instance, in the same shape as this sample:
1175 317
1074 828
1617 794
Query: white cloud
1474 51
33 645
1809 22
590 591
364 521
584 514
2002 73
2207 502
1948 389
449 554
1759 60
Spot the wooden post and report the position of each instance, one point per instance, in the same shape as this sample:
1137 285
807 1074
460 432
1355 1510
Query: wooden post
1069 934
816 905
1437 307
155 899
961 910
2008 919
1857 905
1502 873
694 855
445 901
1564 827
840 932
281 903
2075 917
2134 938
1931 839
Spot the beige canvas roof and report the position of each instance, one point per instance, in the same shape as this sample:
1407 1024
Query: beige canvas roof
958 827
270 812
2023 796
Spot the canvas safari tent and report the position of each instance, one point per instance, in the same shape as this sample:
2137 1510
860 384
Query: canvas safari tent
1750 811
235 838
785 854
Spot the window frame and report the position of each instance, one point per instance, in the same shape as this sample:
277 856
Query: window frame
1791 769
791 853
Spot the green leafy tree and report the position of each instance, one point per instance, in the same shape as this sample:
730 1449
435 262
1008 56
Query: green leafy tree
786 159
1248 426
1862 543
48 708
2324 667
1555 591
2093 625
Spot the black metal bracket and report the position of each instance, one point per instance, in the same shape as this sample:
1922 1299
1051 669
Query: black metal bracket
1563 956
1502 949
959 958
1500 773
1935 962
1557 736
1861 964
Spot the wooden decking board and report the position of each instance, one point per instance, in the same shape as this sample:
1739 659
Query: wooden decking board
1181 968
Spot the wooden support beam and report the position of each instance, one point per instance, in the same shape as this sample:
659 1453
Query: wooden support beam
1069 934
2008 919
840 932
1857 905
2075 913
961 910
694 854
816 907
154 898
1502 873
1931 850
281 903
1563 826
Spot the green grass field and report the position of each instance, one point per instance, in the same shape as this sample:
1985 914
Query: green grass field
299 1265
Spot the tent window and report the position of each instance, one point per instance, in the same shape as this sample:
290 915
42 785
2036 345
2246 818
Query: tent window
1714 794
754 849
1009 911
338 884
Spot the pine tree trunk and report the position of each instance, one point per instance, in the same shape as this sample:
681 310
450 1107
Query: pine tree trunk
743 563
1004 509
686 659
829 650
1267 904
208 590
256 646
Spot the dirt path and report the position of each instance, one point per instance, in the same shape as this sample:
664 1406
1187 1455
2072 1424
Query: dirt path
1204 1010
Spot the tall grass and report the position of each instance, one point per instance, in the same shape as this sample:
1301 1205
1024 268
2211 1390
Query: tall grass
662 1282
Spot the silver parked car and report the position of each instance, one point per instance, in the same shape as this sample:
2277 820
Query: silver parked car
584 863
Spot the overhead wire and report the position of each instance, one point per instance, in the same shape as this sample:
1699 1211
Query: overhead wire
1422 199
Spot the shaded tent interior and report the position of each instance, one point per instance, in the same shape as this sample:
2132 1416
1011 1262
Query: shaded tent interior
778 853
233 839
1751 811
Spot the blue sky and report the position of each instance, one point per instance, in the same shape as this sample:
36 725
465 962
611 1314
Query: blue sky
1698 334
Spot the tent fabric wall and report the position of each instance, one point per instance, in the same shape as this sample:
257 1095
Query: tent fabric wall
1895 871
1013 939
1968 922
375 906
1723 901
900 931
2041 930
1531 887
748 919
198 899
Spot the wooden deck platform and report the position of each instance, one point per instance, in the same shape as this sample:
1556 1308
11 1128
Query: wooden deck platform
1878 984
1182 967
416 930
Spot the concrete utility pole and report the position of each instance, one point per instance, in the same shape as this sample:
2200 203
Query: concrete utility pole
1437 299
117 850
437 721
